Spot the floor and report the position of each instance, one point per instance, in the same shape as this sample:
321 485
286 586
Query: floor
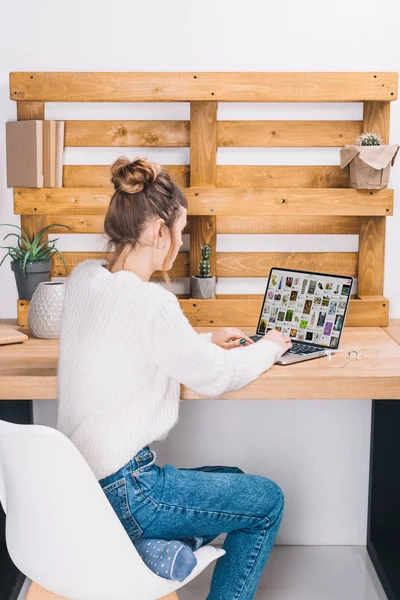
302 573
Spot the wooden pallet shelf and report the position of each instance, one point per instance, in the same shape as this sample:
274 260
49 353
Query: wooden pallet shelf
233 199
238 202
238 264
244 311
199 86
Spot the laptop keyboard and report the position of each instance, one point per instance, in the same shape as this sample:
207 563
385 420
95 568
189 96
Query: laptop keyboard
297 348
303 349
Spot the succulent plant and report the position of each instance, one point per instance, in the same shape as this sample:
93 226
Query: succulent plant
204 262
30 250
369 139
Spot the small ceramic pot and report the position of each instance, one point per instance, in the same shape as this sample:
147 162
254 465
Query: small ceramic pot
36 272
202 287
44 313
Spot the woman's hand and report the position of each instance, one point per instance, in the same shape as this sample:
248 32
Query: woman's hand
276 336
229 337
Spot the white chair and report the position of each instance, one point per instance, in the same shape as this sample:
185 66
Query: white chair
62 532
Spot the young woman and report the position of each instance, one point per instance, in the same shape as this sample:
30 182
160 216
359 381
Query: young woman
125 348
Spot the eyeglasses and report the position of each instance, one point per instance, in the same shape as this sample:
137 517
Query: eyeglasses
368 357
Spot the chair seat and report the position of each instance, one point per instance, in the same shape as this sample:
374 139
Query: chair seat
205 555
54 530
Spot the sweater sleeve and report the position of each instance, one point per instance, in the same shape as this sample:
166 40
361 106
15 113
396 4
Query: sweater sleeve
172 343
206 336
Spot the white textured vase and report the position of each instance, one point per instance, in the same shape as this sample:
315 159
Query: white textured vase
44 314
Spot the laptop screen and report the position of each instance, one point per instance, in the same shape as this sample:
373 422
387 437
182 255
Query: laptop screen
308 307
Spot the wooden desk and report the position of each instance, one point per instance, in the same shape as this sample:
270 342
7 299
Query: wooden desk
29 370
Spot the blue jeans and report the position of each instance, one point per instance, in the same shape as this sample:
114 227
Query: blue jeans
196 505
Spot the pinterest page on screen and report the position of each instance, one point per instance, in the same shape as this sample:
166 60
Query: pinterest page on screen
308 307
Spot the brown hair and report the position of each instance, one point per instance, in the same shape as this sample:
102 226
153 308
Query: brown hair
143 191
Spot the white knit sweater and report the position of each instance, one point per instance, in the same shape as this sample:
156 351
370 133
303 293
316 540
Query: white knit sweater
125 347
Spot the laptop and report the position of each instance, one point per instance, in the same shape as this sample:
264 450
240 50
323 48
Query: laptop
308 307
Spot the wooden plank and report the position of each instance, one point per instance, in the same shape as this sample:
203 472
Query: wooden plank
168 134
278 383
218 201
203 163
368 311
376 118
272 224
99 175
84 224
371 256
77 224
259 264
32 224
203 144
22 312
393 329
245 312
280 176
291 224
199 86
229 133
10 323
238 264
284 201
27 111
283 134
227 176
180 267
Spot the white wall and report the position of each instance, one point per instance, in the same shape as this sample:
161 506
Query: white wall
317 451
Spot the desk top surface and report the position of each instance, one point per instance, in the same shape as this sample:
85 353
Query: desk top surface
29 371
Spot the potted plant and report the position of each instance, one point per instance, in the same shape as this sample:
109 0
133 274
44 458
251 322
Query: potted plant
368 162
203 285
31 261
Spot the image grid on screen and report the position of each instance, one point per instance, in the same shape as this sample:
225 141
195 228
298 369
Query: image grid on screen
307 307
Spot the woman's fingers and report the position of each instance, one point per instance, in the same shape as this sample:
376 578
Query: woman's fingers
235 343
236 334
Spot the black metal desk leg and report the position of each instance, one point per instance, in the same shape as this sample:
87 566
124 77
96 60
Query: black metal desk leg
383 535
11 578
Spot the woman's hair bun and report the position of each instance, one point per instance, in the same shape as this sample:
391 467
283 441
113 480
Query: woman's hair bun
132 177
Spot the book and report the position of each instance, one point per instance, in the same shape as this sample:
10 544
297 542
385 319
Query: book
10 335
24 152
49 153
60 132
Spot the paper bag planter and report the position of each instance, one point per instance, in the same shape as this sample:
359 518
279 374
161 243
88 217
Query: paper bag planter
368 166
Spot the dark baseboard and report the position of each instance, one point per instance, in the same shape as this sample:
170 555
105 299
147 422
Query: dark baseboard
11 578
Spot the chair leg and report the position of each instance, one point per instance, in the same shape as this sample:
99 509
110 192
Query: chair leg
36 592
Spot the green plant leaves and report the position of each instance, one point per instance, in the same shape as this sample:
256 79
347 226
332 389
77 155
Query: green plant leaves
32 250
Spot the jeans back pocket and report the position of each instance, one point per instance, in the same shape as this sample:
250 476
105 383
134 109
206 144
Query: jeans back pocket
117 496
146 479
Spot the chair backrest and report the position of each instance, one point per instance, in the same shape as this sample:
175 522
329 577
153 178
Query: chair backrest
61 531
